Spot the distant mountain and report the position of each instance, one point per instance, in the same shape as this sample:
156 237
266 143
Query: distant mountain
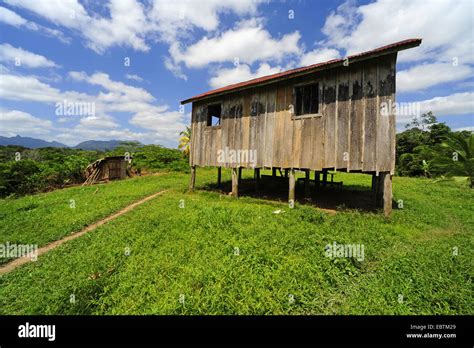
99 145
31 143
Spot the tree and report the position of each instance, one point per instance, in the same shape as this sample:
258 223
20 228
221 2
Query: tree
457 159
184 141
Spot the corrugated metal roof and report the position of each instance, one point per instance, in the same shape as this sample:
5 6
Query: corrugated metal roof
398 46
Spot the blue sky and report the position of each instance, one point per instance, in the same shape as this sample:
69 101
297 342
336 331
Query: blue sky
134 61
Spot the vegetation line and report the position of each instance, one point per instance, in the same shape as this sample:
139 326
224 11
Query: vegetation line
22 260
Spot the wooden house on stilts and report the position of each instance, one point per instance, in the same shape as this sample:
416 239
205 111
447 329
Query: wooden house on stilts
335 115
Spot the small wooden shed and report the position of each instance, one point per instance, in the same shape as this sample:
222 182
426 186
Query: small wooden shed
105 169
335 115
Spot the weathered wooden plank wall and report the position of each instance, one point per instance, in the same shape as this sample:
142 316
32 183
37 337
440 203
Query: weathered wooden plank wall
351 134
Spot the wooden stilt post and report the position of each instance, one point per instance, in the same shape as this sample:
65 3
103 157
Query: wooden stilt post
291 193
316 179
384 192
307 192
219 176
257 178
374 185
325 177
386 185
274 172
286 173
240 174
235 182
192 180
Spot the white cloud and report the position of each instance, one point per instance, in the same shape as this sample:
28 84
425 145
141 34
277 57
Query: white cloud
134 77
126 25
423 76
13 55
11 18
242 72
319 55
16 122
174 20
29 88
131 23
441 24
161 124
248 43
454 104
470 129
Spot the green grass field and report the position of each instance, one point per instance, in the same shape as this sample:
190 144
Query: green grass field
220 255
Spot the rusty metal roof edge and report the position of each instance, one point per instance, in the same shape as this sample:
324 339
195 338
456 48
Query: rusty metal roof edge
263 80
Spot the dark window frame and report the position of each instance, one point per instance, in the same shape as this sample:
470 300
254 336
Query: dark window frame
305 104
210 116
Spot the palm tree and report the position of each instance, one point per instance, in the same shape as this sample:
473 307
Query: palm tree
184 141
459 160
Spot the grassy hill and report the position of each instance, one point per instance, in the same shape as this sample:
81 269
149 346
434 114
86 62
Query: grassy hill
220 255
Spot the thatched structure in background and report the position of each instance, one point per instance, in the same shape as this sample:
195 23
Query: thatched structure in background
105 169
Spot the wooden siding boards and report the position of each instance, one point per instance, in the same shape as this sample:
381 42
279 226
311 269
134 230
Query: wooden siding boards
343 119
318 149
249 101
268 131
350 123
370 117
287 139
245 119
356 119
386 122
329 113
279 146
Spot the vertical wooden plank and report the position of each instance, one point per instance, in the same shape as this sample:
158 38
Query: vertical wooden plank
202 134
343 120
317 135
279 146
370 121
386 121
193 135
386 89
237 102
329 97
245 130
219 176
224 131
269 127
252 123
356 119
286 142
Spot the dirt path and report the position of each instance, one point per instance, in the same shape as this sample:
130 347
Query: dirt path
22 260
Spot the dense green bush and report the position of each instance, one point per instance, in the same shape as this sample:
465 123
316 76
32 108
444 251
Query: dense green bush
42 169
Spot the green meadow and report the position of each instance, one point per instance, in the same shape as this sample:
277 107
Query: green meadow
205 252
